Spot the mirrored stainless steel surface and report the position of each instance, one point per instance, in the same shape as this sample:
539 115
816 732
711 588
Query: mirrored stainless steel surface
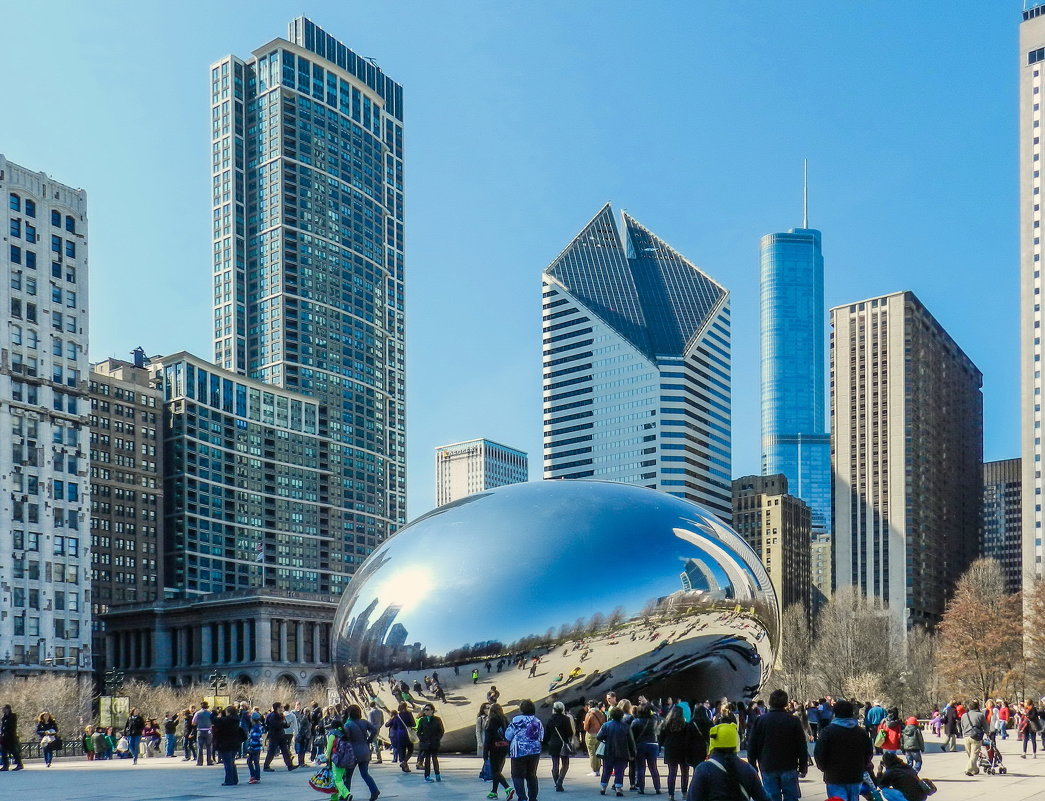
613 587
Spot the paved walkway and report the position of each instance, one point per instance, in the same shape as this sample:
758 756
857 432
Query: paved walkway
162 779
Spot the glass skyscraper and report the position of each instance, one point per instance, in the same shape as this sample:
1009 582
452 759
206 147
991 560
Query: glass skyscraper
795 438
637 366
307 185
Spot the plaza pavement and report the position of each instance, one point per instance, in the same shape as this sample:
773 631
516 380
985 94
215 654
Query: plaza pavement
162 779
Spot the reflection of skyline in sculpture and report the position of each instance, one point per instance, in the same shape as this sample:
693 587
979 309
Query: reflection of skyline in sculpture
494 600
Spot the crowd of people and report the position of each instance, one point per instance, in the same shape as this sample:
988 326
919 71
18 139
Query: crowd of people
624 744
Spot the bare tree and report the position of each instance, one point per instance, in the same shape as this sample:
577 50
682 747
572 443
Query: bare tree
981 635
852 639
796 645
1034 632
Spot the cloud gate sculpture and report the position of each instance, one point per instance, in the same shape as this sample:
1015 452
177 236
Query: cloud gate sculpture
612 587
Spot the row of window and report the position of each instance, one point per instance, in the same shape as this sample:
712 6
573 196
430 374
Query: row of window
28 207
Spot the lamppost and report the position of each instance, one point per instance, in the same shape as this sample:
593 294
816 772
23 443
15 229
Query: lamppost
113 682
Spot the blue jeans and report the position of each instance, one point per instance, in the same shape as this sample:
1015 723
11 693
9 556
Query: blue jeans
48 752
892 794
364 774
135 742
914 759
228 758
254 764
847 792
781 785
171 739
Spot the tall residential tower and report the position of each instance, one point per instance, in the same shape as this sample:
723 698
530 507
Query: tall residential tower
1032 80
907 417
636 366
45 599
795 439
307 185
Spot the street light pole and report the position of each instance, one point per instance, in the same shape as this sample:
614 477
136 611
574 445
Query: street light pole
113 681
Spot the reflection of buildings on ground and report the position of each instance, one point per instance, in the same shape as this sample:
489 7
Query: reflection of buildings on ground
682 647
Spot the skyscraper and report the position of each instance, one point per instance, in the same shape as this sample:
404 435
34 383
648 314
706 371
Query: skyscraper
473 466
778 527
636 366
907 417
44 555
307 183
1003 520
1032 79
795 439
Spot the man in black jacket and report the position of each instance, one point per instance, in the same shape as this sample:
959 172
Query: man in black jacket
777 748
10 749
228 736
843 752
275 725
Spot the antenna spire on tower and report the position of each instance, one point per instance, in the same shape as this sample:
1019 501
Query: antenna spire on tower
805 193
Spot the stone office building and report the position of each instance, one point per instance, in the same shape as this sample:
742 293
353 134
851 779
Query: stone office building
252 636
126 437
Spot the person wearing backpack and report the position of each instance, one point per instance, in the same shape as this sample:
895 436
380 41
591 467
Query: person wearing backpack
644 730
724 775
974 726
525 734
348 748
429 736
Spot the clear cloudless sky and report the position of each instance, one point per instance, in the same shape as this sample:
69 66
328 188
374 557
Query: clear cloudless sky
523 118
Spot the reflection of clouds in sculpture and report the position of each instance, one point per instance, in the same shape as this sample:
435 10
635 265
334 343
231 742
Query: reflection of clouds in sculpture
614 586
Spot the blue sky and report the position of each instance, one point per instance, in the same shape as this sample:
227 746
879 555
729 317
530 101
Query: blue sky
523 118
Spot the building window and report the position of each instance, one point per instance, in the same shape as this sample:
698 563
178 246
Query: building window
30 208
56 218
70 224
16 202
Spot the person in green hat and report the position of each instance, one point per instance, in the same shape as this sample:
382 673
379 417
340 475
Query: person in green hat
724 775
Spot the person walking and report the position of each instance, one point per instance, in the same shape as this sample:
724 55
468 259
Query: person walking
47 731
253 747
359 734
399 728
228 737
558 740
525 734
276 726
843 752
1028 727
10 747
376 717
618 750
133 730
496 750
724 775
480 726
429 736
974 726
303 734
913 743
777 748
1001 719
647 749
950 727
873 718
593 720
684 745
188 735
203 723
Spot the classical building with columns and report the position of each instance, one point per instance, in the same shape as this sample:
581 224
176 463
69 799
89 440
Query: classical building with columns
250 635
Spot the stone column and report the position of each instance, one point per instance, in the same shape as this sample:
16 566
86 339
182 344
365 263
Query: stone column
263 638
282 657
162 650
317 632
221 643
110 650
205 644
301 641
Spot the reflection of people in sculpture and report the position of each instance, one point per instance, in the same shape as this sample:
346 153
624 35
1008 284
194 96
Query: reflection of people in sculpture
555 683
576 673
493 694
475 675
533 666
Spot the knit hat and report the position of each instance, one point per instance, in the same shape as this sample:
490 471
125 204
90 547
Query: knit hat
912 721
726 736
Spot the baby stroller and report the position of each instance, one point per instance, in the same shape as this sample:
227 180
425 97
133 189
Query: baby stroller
990 759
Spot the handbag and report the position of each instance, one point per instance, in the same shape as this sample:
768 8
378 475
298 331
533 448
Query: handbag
411 734
928 786
322 781
879 738
567 749
485 774
601 750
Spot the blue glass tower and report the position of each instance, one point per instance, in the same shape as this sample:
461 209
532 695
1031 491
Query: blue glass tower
795 438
